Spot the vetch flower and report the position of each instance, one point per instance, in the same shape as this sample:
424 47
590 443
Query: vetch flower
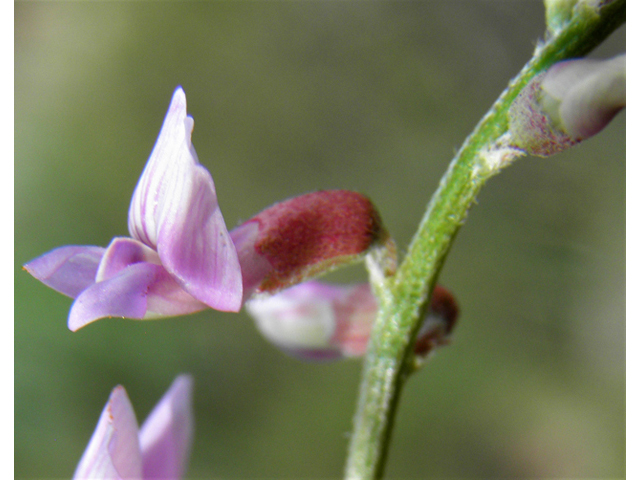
318 321
568 103
180 258
158 450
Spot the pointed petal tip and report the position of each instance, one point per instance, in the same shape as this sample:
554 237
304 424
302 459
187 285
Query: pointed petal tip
183 382
68 270
179 98
76 322
124 295
167 433
73 325
114 450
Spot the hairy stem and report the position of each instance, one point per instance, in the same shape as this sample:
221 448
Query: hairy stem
389 359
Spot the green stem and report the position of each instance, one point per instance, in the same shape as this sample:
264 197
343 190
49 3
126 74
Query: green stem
389 359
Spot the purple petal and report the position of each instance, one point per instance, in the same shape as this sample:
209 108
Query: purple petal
167 298
195 247
171 150
139 291
175 210
121 253
114 449
166 435
68 270
124 295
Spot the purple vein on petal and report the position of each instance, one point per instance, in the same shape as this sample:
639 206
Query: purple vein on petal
157 179
195 246
175 210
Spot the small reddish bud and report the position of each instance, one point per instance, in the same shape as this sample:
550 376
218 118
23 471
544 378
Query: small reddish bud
302 237
439 322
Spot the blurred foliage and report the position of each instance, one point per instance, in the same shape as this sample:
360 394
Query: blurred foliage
290 97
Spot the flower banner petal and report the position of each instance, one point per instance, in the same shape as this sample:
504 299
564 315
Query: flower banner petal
156 180
175 210
68 270
195 247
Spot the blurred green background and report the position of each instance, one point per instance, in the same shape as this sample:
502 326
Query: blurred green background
290 97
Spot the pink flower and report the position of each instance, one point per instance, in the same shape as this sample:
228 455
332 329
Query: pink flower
180 258
158 450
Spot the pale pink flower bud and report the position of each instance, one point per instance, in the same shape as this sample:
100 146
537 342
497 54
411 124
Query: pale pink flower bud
570 102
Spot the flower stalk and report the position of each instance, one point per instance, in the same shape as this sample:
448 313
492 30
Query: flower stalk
390 358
